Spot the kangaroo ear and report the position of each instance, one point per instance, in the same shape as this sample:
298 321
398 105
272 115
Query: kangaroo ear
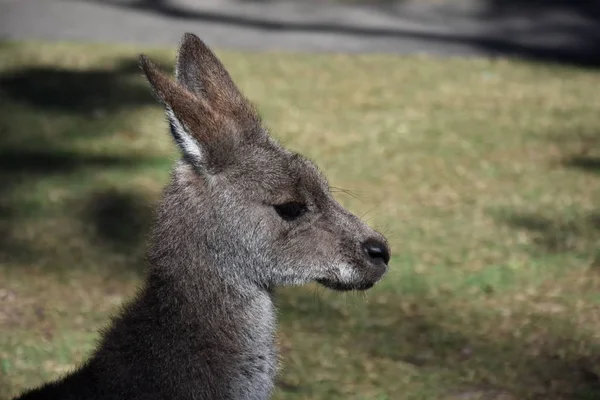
194 125
199 70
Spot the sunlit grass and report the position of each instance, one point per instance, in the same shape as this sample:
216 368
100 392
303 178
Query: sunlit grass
484 176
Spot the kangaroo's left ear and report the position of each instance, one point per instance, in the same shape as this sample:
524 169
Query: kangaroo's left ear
191 121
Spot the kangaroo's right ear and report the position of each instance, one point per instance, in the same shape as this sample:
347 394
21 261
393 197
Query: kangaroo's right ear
196 127
200 71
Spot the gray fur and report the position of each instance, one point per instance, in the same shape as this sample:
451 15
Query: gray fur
203 325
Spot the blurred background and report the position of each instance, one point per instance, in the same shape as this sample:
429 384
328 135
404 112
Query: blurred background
467 131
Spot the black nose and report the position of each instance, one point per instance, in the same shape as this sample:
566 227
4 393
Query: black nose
376 249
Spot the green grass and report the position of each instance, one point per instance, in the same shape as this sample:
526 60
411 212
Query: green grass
485 176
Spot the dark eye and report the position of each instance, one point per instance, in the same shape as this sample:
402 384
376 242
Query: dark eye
290 211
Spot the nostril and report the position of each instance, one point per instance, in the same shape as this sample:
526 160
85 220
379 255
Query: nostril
377 249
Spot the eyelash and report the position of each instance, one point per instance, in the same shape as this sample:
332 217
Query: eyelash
291 211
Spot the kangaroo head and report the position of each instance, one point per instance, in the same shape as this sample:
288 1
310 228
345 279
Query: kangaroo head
256 211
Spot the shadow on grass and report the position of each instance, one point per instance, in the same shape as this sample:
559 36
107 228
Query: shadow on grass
582 150
560 235
122 220
576 233
115 221
43 110
585 163
92 92
538 357
59 161
555 232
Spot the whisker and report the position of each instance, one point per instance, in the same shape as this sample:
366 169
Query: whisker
368 211
317 298
349 192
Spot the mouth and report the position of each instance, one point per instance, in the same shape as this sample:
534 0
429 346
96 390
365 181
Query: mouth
368 278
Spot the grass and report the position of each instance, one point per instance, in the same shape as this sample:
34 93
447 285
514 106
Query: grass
483 174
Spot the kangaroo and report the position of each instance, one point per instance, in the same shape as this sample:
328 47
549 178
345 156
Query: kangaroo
241 216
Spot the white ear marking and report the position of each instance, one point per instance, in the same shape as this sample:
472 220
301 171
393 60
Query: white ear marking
189 146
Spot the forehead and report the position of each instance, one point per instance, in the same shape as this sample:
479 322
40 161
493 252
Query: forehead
278 172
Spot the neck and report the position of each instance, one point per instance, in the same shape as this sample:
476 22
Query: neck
191 339
224 317
193 323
